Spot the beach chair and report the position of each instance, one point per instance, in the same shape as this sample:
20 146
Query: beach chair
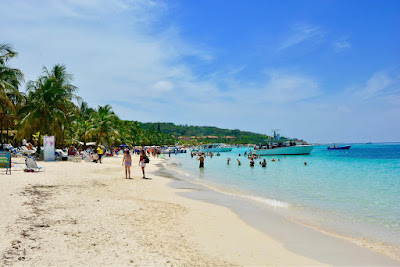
32 166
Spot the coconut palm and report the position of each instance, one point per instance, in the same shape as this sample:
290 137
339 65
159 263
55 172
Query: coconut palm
49 103
10 79
82 127
105 125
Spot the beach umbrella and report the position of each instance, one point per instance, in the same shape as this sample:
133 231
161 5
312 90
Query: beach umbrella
123 145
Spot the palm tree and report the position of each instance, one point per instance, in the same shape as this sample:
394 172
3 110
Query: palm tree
49 103
105 125
10 79
82 129
82 126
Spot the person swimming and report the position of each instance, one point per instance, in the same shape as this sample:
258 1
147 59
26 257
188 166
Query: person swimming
305 163
273 160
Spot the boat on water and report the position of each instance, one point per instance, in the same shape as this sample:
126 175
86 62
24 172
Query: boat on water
213 148
338 147
284 150
174 150
282 146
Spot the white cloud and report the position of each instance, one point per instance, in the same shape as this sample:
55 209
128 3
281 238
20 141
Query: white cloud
125 53
303 33
341 44
381 83
163 86
288 87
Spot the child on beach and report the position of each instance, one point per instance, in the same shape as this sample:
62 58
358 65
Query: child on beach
128 162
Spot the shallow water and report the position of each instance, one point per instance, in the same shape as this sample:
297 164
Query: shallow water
352 192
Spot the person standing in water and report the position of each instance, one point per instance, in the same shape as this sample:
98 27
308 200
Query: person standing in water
142 164
264 163
229 159
128 162
252 162
201 159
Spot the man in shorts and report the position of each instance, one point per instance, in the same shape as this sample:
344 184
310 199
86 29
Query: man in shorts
100 153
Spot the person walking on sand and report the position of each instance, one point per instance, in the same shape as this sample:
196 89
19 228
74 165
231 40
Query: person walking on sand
100 153
142 163
201 159
128 162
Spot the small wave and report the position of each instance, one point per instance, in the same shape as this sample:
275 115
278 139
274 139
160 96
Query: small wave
271 202
268 201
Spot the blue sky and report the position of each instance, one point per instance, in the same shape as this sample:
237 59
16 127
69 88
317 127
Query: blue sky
324 71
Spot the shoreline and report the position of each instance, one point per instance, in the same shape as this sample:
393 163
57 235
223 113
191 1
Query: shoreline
88 214
377 248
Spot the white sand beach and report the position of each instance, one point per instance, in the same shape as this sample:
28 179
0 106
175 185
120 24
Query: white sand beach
88 214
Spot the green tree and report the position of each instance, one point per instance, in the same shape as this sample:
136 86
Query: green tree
105 124
10 79
49 103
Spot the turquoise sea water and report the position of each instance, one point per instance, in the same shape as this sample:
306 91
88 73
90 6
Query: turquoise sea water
352 192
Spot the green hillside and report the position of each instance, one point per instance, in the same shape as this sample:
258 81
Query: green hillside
205 134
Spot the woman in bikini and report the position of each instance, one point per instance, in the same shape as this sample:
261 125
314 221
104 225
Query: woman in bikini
128 162
142 164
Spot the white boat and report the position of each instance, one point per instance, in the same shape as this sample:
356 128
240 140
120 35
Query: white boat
285 150
213 148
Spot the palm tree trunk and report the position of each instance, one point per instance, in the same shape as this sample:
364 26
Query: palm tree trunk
84 141
7 131
40 137
1 132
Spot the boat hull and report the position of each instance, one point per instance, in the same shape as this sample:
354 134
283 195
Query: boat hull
339 148
290 150
216 149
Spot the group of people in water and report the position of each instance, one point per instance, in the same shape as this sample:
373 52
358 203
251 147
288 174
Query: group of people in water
252 157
